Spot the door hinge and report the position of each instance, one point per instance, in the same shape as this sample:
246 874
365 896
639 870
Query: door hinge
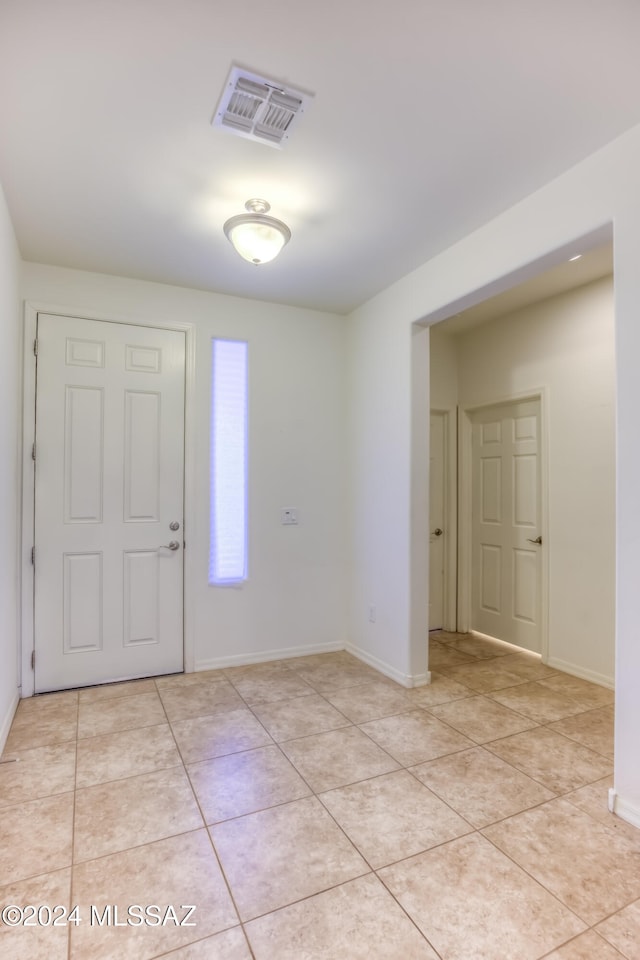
33 451
33 556
35 348
33 659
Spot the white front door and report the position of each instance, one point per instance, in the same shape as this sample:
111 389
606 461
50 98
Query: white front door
506 523
109 472
436 520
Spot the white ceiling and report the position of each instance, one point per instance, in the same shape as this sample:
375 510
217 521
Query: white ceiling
429 118
592 265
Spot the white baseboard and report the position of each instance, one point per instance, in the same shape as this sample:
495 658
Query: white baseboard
404 679
7 720
577 671
626 811
287 653
266 656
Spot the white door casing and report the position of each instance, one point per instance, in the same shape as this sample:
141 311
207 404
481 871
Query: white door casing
109 479
437 521
506 521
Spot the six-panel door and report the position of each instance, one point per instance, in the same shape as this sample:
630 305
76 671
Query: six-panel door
109 482
506 522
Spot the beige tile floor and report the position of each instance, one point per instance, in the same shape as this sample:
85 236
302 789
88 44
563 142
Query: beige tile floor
311 809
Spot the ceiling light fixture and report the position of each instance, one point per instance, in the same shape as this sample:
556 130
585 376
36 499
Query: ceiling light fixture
255 236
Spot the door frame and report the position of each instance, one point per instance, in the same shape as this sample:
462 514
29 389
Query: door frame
27 633
450 537
465 493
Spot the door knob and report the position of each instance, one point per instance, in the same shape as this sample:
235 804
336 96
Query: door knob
172 545
537 540
437 532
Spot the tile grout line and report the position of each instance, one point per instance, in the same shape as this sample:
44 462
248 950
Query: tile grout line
402 768
473 829
73 827
181 833
208 833
313 793
317 795
588 926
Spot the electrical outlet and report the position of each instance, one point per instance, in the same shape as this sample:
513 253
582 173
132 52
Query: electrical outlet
372 614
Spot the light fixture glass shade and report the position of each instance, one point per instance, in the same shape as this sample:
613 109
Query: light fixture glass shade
256 237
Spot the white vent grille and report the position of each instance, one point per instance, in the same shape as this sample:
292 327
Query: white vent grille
259 109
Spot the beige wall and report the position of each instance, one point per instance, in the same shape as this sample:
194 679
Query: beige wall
565 347
536 233
443 364
294 601
10 364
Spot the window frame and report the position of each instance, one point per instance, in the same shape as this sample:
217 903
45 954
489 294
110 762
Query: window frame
233 461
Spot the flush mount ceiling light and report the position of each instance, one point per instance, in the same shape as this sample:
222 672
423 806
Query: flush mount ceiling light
255 236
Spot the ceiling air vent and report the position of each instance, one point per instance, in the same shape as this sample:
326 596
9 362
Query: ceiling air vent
259 109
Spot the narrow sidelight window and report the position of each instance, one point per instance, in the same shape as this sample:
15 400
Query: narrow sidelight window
229 402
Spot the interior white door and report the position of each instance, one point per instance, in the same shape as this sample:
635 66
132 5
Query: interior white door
506 523
436 520
109 478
